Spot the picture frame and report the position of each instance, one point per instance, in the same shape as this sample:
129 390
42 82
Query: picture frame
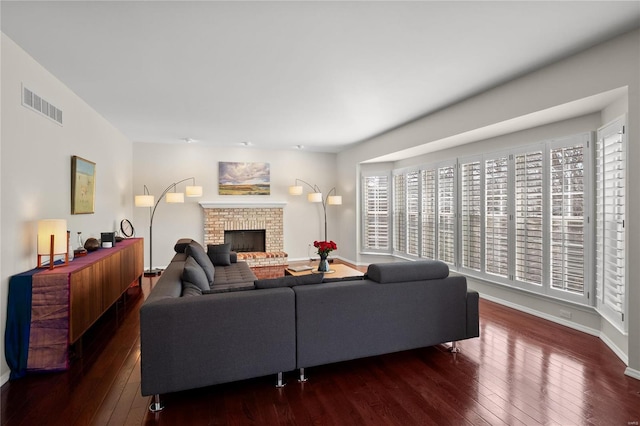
246 178
83 185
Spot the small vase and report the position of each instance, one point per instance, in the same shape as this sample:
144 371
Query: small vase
69 249
323 266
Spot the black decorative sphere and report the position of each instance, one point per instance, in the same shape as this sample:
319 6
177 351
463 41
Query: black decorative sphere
91 244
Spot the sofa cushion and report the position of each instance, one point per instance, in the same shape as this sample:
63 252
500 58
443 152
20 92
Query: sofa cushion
398 272
288 281
190 289
196 251
235 273
194 274
220 254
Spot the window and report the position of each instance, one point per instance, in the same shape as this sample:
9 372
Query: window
519 218
376 212
567 218
529 215
446 214
413 213
399 213
429 213
471 215
610 165
497 216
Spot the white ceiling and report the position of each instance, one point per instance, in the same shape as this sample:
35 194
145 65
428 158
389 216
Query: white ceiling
280 74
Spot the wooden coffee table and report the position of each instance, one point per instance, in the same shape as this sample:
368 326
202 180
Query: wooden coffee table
337 270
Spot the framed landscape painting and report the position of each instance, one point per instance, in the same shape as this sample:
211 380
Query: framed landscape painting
83 185
244 178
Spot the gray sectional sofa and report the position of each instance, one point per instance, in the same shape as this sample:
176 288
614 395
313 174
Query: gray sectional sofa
242 328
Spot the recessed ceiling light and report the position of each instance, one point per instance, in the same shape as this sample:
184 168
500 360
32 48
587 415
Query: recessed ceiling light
246 143
299 146
189 140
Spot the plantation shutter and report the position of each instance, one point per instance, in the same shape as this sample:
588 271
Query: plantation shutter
529 214
429 213
446 214
413 213
497 216
376 212
399 213
471 215
610 217
567 218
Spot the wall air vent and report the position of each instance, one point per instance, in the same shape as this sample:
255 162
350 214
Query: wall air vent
36 103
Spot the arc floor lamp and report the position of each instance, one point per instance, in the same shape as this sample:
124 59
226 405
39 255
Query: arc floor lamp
148 200
315 196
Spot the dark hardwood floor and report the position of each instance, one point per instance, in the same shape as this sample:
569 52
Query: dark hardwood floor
522 370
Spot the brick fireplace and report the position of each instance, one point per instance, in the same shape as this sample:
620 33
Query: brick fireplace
268 216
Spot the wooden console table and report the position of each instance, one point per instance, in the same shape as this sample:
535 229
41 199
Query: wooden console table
48 310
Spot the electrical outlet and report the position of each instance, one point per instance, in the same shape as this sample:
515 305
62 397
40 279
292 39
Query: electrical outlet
565 314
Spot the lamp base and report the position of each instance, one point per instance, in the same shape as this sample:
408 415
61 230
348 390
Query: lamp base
152 272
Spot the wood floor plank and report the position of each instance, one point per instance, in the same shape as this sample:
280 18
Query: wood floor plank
516 373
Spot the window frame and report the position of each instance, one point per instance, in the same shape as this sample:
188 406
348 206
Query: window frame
365 248
584 141
617 318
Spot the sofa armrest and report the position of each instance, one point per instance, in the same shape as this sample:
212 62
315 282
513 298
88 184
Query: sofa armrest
473 314
192 342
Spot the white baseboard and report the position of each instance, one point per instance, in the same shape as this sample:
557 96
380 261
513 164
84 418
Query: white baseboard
543 315
619 352
4 378
616 350
632 373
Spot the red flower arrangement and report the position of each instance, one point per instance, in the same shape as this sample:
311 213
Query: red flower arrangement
325 247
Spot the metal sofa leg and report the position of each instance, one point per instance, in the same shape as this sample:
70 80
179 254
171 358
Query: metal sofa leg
454 348
280 383
156 405
302 378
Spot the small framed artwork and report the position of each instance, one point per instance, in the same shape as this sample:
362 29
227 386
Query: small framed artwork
244 178
83 185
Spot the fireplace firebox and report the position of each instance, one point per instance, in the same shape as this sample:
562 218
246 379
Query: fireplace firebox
246 240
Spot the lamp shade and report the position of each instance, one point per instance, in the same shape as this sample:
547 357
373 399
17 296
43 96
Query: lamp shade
314 197
47 228
144 201
295 190
175 197
194 191
335 200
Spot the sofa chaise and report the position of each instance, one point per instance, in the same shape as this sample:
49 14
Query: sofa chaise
229 331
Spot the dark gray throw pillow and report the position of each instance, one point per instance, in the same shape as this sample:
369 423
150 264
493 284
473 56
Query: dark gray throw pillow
189 289
196 251
288 281
220 254
194 274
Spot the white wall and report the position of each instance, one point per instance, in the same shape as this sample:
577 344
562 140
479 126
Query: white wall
611 65
159 165
36 167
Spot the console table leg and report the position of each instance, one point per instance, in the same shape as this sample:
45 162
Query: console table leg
280 383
